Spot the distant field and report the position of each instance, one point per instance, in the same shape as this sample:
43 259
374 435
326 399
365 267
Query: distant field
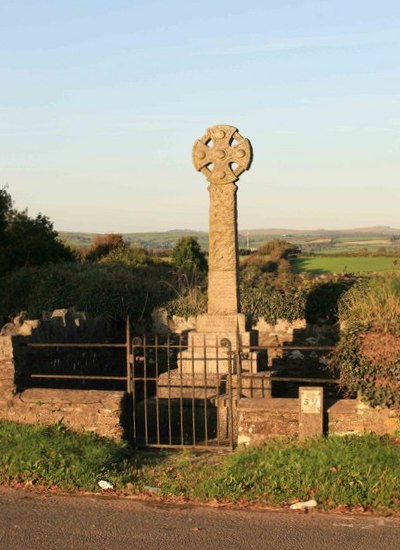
319 265
318 241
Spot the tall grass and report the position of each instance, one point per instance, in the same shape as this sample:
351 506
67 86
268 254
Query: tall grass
373 304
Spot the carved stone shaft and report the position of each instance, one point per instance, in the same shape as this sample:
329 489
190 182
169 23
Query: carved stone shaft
223 289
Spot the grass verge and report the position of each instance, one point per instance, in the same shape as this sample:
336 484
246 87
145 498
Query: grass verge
358 473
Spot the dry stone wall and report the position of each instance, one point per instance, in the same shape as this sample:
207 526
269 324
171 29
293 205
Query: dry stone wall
263 419
94 410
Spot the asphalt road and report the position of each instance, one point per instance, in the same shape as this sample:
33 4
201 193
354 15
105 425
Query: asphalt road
46 522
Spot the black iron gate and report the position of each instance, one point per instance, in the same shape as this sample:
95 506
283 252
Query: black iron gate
182 396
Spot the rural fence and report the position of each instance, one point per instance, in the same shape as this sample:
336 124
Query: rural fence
182 395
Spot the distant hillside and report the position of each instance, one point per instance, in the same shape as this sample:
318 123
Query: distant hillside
255 237
164 239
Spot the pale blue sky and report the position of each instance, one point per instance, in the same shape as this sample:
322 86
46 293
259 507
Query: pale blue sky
101 101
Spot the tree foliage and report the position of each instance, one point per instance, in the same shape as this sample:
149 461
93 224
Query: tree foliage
27 241
102 245
5 208
188 256
272 257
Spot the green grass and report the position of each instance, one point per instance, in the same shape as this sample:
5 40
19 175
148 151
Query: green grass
355 472
321 264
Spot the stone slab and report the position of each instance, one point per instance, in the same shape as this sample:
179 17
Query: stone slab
221 324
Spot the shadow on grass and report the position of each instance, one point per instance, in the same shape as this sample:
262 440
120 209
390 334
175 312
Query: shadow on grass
301 265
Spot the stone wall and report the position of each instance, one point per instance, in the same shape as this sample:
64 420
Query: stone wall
280 332
93 410
81 410
354 416
263 419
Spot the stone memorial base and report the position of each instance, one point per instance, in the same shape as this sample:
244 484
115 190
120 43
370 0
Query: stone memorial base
206 366
205 345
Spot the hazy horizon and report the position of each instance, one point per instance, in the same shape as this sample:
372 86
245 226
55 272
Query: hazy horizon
252 230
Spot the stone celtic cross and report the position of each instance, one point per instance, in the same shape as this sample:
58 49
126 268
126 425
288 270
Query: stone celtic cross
222 155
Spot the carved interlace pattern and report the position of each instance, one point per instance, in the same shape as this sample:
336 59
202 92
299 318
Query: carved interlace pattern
222 238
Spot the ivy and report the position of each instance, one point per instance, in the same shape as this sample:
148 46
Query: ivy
367 358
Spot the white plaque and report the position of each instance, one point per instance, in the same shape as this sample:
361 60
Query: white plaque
310 401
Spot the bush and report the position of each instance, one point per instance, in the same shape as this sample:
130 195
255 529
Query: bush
103 245
108 290
133 256
187 255
272 257
367 358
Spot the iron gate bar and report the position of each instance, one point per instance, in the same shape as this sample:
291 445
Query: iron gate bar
193 397
205 388
157 397
90 345
218 395
181 391
136 342
72 345
77 377
294 379
275 346
128 345
169 392
145 391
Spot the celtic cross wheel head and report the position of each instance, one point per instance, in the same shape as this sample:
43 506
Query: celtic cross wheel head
222 154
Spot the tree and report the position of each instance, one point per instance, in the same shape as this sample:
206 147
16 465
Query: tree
102 245
187 255
5 207
26 241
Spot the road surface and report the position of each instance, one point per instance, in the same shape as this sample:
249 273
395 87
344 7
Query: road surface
45 522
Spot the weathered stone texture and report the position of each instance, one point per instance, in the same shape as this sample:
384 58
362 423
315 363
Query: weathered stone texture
7 386
98 411
222 154
262 419
81 410
354 416
222 292
311 412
